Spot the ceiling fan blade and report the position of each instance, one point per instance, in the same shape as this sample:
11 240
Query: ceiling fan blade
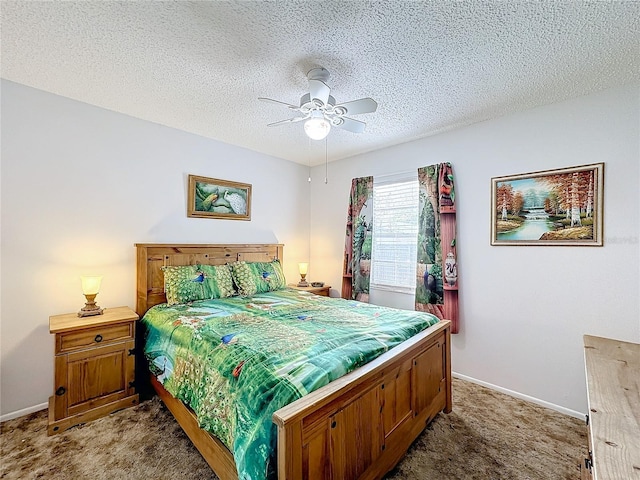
319 90
288 120
363 105
278 102
355 126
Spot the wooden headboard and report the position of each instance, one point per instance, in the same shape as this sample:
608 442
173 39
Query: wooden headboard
151 257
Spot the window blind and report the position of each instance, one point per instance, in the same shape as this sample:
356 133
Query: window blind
395 233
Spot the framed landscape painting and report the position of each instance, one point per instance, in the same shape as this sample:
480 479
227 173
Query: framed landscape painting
553 207
214 198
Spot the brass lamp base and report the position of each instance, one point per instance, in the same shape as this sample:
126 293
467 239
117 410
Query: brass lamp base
90 313
303 281
90 308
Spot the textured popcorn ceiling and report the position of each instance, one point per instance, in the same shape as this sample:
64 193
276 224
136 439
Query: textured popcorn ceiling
432 66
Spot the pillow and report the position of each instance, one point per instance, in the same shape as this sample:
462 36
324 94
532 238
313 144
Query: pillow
243 277
268 276
183 284
258 277
187 283
218 281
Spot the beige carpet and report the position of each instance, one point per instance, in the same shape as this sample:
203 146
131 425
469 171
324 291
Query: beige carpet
487 436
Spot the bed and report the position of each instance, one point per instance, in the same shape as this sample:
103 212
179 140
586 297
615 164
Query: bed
357 426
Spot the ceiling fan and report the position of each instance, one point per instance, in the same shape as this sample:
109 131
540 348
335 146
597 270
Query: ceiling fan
319 110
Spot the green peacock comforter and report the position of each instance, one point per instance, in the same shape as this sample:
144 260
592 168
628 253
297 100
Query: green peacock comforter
235 361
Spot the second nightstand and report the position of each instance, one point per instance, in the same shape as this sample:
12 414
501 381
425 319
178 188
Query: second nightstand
94 366
322 291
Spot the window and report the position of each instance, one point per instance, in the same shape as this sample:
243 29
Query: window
395 233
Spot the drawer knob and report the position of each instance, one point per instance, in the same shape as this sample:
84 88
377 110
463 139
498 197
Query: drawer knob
98 338
61 391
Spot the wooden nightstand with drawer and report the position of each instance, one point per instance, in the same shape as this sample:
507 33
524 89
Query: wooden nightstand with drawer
322 291
94 366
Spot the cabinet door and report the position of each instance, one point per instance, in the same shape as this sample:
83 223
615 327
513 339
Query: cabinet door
93 377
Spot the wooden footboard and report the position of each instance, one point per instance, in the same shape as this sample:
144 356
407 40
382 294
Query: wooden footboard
360 425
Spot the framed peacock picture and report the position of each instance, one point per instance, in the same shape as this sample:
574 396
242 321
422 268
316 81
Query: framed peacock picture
215 198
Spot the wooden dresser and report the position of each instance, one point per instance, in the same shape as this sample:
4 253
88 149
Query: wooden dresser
94 366
613 388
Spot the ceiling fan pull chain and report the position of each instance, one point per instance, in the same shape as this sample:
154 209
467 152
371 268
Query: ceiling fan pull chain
309 163
326 161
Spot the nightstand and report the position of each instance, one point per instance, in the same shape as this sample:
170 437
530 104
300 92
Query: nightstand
322 291
94 366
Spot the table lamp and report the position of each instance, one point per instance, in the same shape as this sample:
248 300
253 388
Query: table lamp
90 288
303 274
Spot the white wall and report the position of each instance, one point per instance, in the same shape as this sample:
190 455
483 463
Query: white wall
80 185
523 309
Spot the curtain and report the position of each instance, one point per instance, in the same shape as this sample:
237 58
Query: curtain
357 247
437 270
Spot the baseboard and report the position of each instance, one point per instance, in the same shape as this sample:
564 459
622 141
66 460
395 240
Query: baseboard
24 411
522 396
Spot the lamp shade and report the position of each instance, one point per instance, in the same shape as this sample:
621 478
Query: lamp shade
317 127
91 284
303 267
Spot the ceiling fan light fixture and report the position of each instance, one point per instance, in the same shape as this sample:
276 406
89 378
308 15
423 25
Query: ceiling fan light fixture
317 127
319 111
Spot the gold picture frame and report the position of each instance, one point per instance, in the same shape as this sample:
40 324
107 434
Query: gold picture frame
215 198
551 207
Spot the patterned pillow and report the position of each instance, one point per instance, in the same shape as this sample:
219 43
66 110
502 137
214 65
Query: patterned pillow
258 277
269 276
183 284
218 281
187 283
243 277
